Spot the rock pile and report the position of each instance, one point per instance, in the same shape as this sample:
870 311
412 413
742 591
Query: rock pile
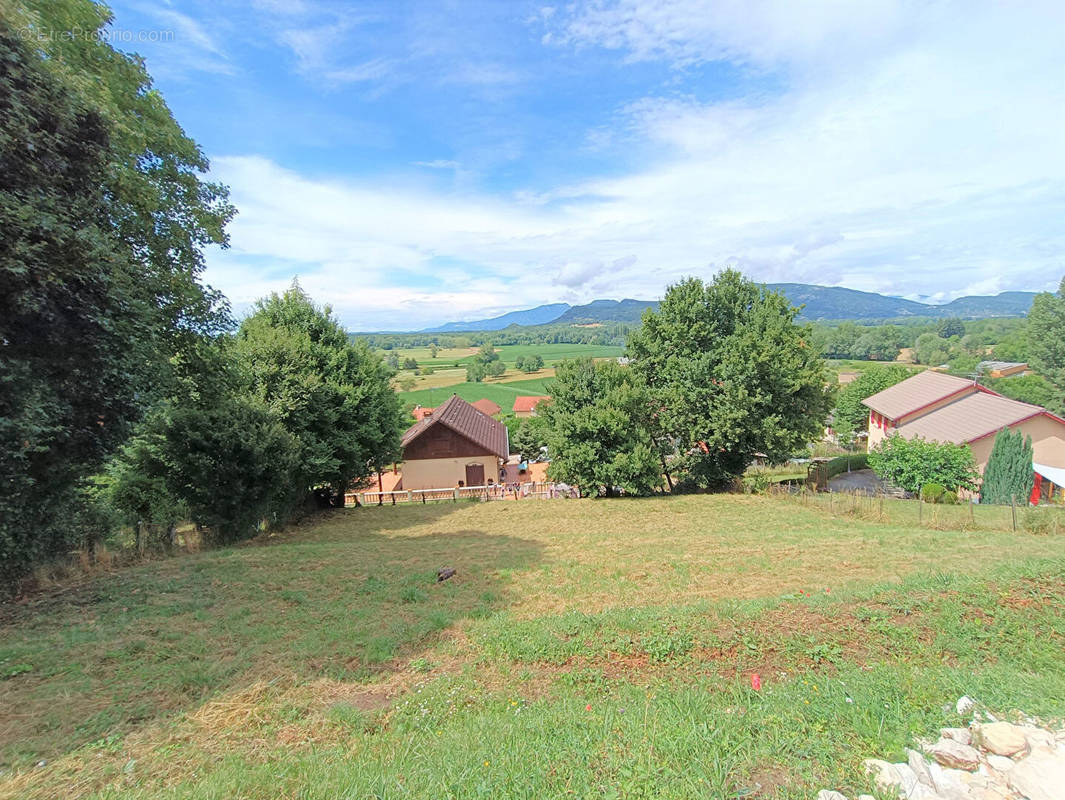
989 760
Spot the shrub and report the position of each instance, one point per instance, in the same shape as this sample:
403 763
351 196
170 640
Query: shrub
949 498
932 492
756 483
912 463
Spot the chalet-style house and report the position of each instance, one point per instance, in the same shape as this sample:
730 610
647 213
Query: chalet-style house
945 408
525 405
456 445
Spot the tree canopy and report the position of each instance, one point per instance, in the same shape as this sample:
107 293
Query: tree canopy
730 374
332 395
598 433
1046 342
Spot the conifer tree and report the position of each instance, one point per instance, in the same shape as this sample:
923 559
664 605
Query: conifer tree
1008 474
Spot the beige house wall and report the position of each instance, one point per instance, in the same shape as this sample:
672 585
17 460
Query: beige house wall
445 473
1048 443
525 413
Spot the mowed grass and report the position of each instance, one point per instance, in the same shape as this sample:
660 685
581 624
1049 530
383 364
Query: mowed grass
584 648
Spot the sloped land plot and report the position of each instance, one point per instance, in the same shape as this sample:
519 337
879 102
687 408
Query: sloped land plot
584 648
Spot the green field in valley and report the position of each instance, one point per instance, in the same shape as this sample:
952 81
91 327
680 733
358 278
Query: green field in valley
584 648
509 354
502 393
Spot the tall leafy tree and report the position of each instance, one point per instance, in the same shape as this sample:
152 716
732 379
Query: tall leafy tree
333 395
730 374
1046 342
105 215
850 415
69 308
598 433
1008 476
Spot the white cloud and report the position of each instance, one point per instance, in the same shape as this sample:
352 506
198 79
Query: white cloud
909 151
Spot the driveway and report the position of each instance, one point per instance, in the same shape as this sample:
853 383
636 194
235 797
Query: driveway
861 480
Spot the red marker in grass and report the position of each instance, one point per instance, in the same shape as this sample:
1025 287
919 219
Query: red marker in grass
756 682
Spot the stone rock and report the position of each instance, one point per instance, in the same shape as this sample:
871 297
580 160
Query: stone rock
949 783
885 776
963 735
950 753
828 794
909 779
965 705
919 767
1001 763
1002 739
1037 737
1041 776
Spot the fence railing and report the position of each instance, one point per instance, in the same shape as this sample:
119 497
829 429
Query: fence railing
483 493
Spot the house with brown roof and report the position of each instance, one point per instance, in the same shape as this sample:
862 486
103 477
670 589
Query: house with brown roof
486 406
945 408
525 405
457 445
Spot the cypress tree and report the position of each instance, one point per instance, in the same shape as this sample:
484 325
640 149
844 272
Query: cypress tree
1009 469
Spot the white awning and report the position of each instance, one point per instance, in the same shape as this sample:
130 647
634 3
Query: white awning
1055 475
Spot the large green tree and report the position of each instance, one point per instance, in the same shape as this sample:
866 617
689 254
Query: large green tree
104 217
730 374
1046 342
211 453
1008 476
333 395
598 430
850 415
69 308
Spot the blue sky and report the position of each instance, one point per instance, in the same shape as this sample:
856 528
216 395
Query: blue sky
417 162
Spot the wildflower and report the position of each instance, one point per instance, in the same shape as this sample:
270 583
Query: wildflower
486 763
850 699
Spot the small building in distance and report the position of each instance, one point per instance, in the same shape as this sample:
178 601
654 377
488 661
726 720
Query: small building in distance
486 406
525 405
457 445
421 412
1002 369
944 408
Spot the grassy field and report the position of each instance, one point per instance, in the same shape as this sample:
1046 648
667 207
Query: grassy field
509 354
449 367
501 392
584 648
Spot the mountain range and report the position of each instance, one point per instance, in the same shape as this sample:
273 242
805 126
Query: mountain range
818 303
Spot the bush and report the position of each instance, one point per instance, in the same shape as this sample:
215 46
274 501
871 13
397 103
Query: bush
912 463
756 483
949 498
932 492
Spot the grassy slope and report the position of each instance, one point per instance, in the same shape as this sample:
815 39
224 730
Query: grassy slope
600 649
508 354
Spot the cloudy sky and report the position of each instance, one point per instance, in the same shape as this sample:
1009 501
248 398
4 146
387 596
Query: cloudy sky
419 162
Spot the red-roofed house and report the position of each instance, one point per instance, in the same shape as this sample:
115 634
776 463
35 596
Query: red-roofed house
421 412
944 408
525 405
486 406
456 446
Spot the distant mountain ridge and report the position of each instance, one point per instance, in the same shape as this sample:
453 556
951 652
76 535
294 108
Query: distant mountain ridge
541 315
819 303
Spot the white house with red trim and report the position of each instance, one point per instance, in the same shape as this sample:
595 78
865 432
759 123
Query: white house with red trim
945 408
